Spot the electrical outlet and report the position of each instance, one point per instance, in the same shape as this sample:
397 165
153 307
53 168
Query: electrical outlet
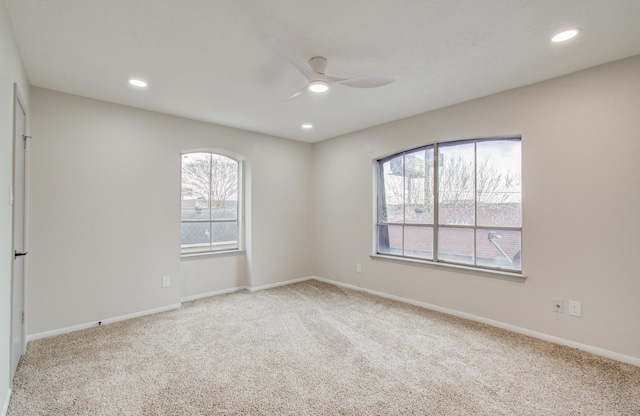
358 268
557 305
166 281
575 308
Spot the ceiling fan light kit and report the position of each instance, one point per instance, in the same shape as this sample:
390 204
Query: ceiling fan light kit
318 86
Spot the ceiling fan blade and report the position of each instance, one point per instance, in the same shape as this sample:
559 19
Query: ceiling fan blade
332 80
298 93
294 59
367 82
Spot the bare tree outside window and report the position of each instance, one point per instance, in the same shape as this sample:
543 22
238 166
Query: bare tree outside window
487 177
498 183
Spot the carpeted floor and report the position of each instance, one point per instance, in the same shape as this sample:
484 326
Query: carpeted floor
313 349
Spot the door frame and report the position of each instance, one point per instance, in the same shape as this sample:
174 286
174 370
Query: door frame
19 105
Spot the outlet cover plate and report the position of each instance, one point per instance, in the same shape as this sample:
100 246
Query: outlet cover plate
166 281
575 308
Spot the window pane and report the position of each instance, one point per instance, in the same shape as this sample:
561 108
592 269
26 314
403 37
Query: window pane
195 209
498 248
418 242
390 239
456 184
418 185
224 188
196 237
498 183
196 171
391 190
455 245
224 236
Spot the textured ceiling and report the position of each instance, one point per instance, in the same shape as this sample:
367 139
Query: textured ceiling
211 60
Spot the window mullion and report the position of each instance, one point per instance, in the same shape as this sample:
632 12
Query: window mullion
210 202
404 197
475 202
436 195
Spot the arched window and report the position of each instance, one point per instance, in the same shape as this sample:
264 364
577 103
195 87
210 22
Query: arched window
467 211
211 203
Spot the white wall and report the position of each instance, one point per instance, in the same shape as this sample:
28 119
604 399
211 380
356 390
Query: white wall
105 211
11 71
581 212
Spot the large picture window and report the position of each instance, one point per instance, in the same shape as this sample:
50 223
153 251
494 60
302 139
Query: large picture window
468 211
210 203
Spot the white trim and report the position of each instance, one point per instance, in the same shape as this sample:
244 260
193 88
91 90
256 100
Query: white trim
284 283
215 293
5 407
341 284
534 334
80 327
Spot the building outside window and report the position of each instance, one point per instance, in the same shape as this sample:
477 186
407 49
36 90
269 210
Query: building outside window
468 211
210 203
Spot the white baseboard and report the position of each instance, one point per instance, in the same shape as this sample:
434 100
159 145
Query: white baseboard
249 288
5 407
80 327
215 293
341 284
534 334
284 283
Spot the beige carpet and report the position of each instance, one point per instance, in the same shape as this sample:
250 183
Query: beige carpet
313 349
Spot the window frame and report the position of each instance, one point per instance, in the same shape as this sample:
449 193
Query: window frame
240 206
435 225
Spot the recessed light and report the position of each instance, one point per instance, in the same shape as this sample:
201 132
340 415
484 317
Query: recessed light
307 126
565 35
318 86
137 83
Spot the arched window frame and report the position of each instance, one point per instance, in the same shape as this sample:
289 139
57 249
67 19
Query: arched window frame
423 233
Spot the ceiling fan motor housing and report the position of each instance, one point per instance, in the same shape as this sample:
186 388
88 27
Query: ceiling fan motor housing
318 64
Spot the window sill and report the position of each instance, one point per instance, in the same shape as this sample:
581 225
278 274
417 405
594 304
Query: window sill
487 272
228 253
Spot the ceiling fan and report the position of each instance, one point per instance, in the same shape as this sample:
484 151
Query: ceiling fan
313 70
